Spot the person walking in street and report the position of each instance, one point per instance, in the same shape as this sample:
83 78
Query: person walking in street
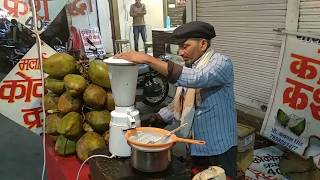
137 12
204 97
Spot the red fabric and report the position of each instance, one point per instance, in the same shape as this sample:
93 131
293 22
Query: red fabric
75 38
63 168
196 170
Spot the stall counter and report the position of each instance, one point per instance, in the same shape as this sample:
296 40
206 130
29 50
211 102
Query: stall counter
63 168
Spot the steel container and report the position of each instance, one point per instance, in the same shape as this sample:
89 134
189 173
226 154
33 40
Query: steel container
150 161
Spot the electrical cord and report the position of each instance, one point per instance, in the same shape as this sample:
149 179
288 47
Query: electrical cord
38 40
93 156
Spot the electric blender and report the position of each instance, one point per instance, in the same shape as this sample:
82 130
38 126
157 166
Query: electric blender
123 76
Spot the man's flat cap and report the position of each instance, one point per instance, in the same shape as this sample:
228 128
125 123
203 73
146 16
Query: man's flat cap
194 29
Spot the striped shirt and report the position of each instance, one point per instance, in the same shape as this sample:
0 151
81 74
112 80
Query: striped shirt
215 119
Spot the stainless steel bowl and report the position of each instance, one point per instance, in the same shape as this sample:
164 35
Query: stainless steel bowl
150 161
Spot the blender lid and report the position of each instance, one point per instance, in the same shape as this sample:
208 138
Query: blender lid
118 62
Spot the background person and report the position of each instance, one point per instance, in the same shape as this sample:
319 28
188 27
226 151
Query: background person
137 12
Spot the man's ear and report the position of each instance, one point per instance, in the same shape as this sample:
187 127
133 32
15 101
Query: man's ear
203 45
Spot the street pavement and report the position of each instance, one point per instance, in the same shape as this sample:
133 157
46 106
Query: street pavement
20 149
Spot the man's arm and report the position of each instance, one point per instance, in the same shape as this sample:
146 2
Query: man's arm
132 13
142 58
168 69
141 12
166 113
144 11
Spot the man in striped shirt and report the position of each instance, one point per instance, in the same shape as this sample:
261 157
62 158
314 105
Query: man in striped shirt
211 75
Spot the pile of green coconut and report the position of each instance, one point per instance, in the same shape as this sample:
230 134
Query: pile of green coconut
78 104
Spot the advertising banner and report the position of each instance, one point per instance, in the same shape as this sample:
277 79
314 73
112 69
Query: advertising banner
92 42
293 116
265 165
21 91
20 10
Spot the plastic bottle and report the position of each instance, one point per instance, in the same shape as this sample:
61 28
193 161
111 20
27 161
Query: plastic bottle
168 22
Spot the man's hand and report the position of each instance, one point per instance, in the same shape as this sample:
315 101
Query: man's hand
142 58
155 120
135 57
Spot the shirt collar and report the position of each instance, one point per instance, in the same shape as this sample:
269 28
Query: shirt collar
194 64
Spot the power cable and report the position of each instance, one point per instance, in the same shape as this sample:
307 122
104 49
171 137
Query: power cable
93 156
38 42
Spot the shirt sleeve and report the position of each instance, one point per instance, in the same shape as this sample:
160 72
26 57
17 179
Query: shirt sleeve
166 113
218 72
144 11
132 13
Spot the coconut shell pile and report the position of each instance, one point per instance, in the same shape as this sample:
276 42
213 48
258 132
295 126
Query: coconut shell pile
78 103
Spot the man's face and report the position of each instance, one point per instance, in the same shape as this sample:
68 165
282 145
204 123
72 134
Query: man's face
192 49
138 2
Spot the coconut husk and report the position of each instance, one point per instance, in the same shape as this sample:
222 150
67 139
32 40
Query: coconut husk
88 142
110 104
95 97
75 84
64 146
71 126
54 85
98 73
98 120
87 128
106 136
52 121
51 101
59 64
68 103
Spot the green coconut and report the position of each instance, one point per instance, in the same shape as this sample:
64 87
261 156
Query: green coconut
88 142
98 120
95 96
54 85
87 127
51 101
98 73
59 64
110 104
64 146
71 125
68 103
75 84
106 136
52 121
